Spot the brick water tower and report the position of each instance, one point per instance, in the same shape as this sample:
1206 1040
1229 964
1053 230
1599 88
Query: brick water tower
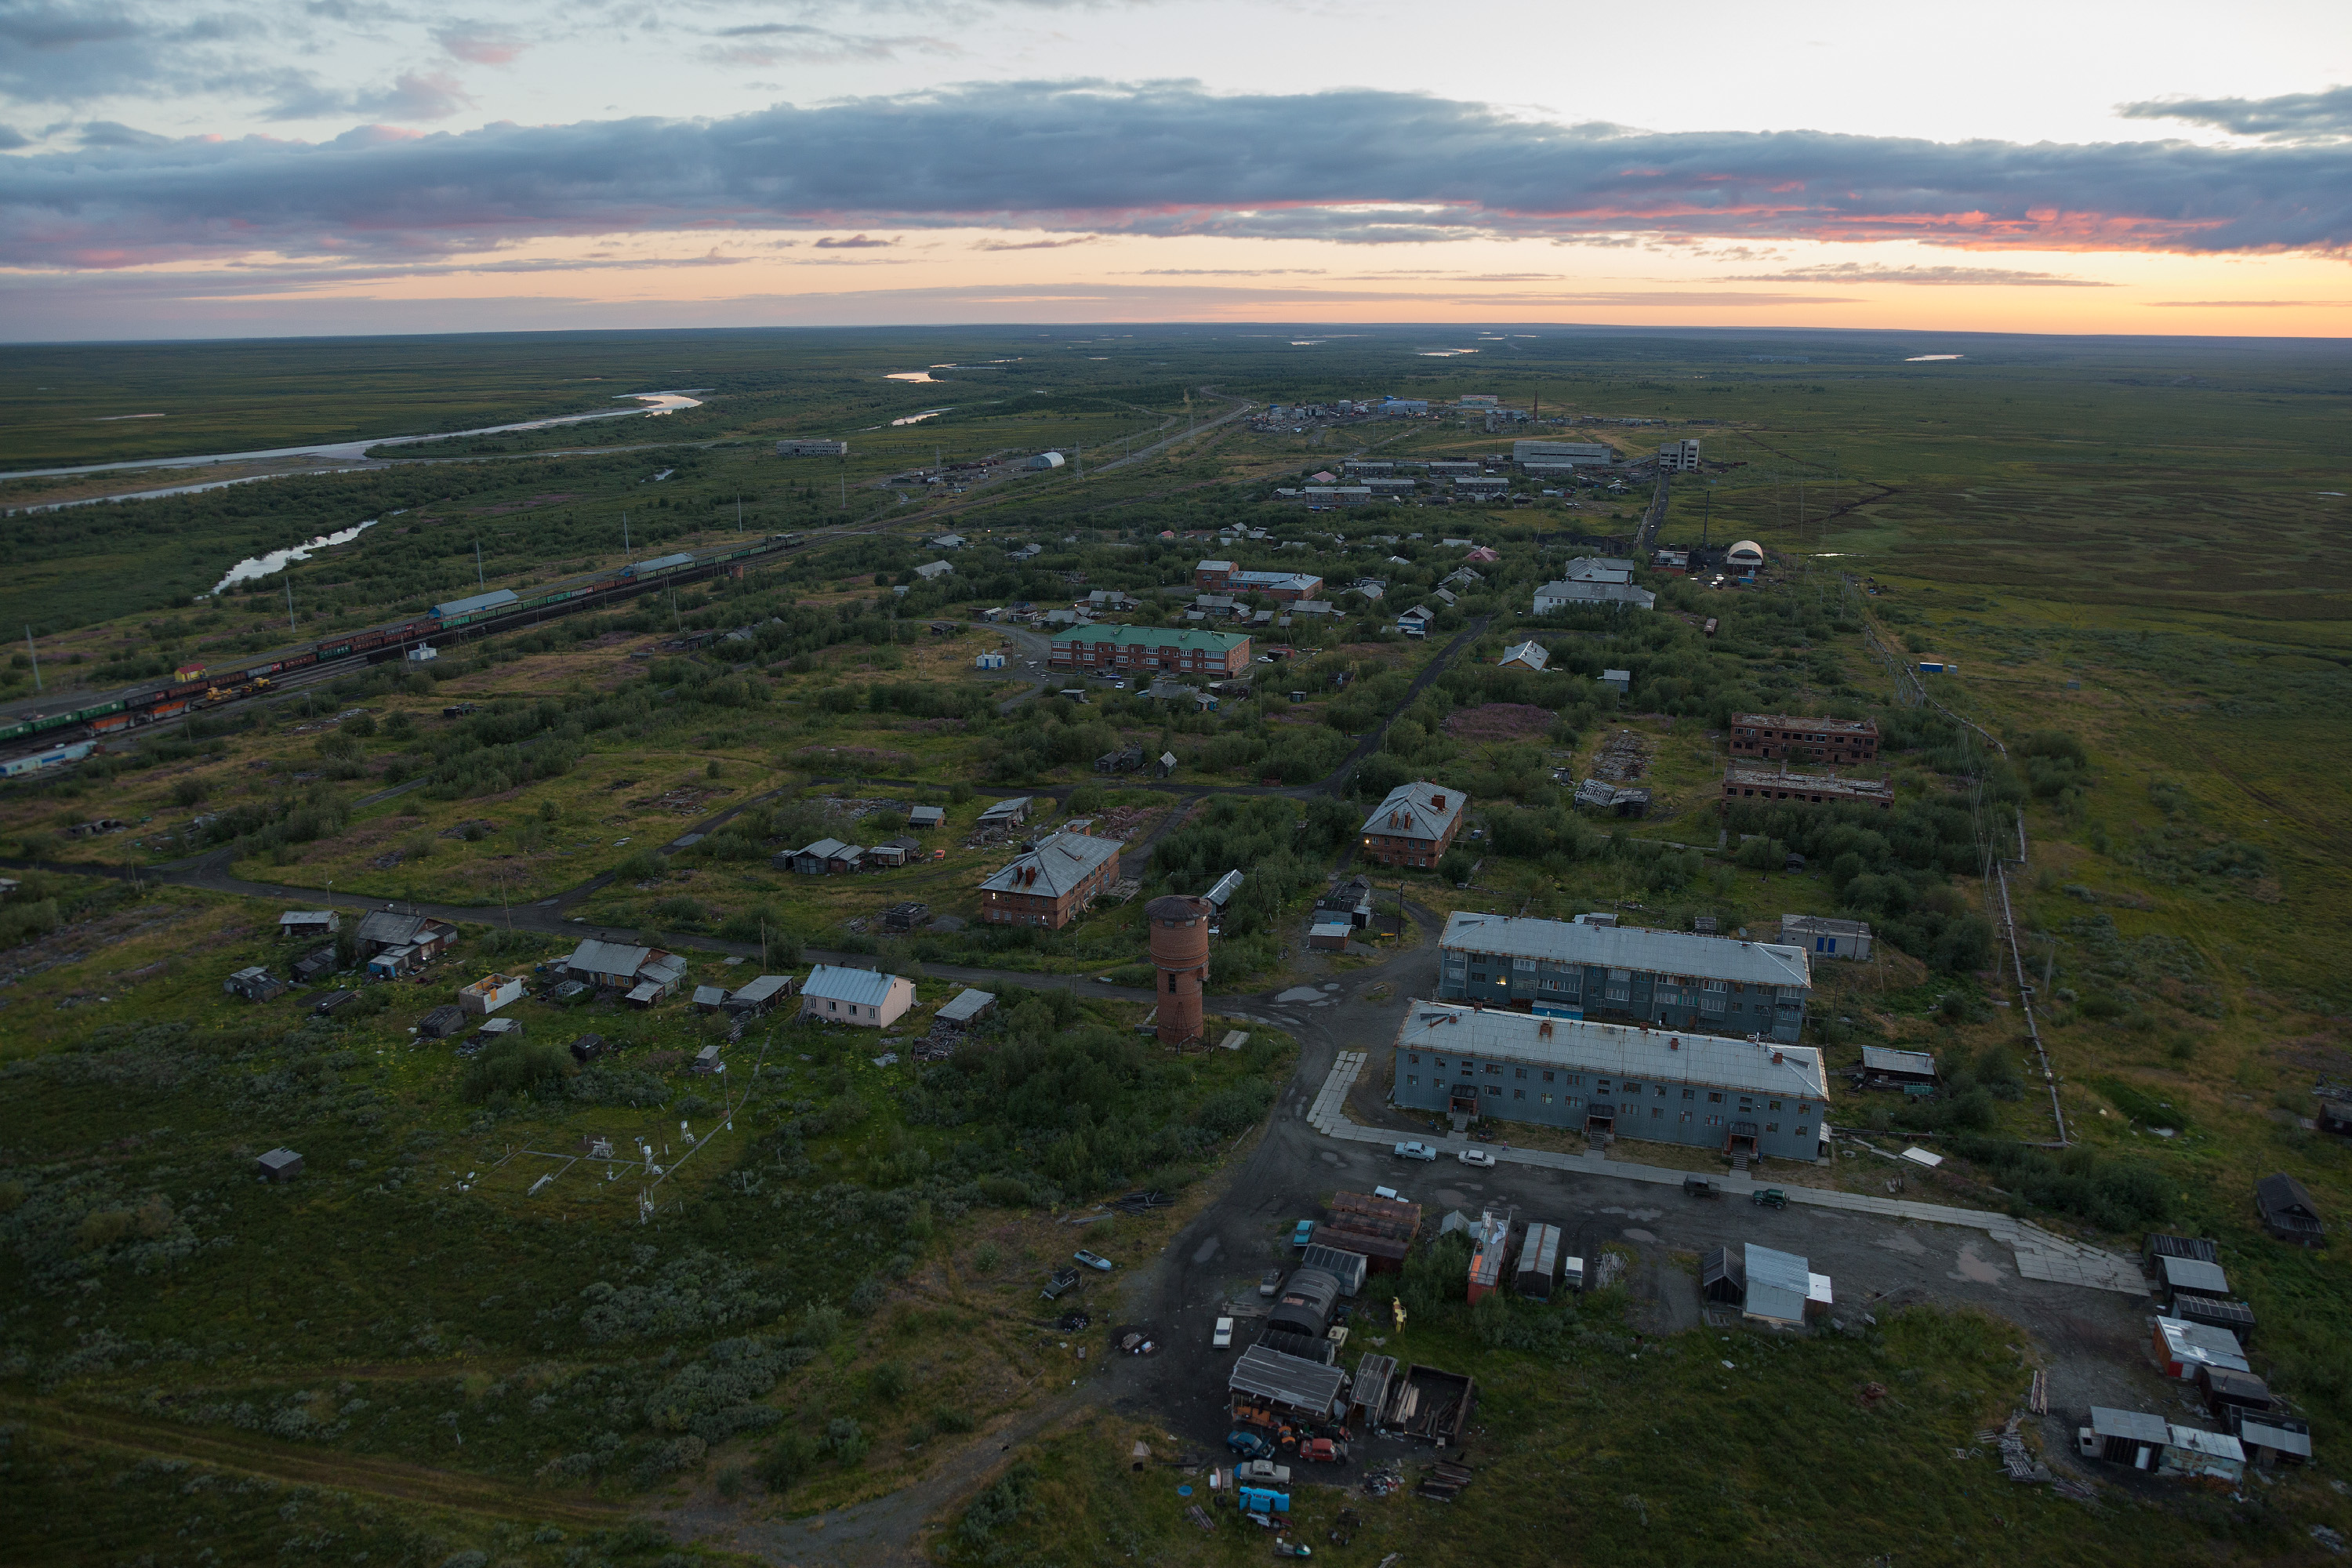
1179 951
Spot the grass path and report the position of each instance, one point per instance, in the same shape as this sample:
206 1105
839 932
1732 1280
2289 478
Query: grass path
388 1479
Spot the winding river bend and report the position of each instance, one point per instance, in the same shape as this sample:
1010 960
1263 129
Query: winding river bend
650 403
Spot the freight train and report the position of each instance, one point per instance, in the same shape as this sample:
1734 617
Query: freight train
194 687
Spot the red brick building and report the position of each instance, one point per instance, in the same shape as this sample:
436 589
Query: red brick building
1052 884
1779 738
1758 785
1173 650
1413 826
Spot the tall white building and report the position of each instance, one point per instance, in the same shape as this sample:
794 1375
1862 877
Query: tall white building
1679 456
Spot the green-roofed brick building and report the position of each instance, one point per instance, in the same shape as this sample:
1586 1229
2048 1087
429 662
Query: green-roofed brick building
1176 650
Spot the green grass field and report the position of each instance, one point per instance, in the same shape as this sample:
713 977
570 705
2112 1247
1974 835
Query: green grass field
2128 548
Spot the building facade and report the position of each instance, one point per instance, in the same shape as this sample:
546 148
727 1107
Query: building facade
1780 738
1415 825
1178 650
1679 456
1226 577
866 998
1052 885
1675 980
1759 785
1618 1079
805 448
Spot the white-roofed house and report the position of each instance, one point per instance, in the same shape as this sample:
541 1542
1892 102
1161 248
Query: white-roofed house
1529 655
865 997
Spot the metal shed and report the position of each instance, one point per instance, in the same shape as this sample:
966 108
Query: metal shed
1347 1268
279 1165
2183 1348
2160 1244
2224 1388
967 1008
1778 1283
2270 1440
2193 1276
2123 1437
2195 1454
587 1049
1304 1306
1884 1068
1721 1277
758 995
706 1060
1370 1396
2236 1316
253 985
1538 1262
1289 1383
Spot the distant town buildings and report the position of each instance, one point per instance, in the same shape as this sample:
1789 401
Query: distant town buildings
1121 649
803 446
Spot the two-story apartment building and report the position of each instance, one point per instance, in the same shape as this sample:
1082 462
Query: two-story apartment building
1226 577
1621 1080
1798 739
1675 980
1051 885
1173 650
1413 826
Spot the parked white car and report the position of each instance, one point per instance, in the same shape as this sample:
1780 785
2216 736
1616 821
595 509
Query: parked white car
1479 1157
1415 1150
1223 1340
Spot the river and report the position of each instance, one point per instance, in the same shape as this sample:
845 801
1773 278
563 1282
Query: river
653 402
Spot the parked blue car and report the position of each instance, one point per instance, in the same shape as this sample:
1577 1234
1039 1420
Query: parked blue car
1248 1445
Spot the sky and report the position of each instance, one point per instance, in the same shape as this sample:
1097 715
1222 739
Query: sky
204 168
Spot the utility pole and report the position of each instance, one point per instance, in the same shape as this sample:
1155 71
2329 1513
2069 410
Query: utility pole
290 605
31 648
479 581
627 552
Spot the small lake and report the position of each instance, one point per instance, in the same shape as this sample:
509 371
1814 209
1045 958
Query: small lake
1923 359
256 567
909 375
918 418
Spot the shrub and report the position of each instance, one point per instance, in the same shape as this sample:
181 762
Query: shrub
516 1066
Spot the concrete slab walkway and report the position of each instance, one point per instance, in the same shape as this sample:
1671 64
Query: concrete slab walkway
2040 1254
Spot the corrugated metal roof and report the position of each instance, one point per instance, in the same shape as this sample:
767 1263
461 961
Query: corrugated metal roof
1227 886
2201 1345
2212 1444
1613 1050
1629 947
594 957
1125 635
765 987
2194 1274
825 848
489 601
665 562
968 1005
2137 1425
1288 1380
865 987
2273 1433
1018 804
1886 1058
1061 863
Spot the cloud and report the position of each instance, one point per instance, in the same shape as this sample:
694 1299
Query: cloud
1036 244
1969 277
855 242
1082 158
764 43
478 46
2295 117
2245 304
11 139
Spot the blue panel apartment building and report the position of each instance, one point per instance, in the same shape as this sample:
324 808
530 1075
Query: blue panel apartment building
1622 1080
1675 980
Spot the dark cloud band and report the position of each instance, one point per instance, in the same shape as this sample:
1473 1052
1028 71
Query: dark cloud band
1161 159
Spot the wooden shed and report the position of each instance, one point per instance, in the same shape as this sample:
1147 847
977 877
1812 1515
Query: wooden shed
2223 1388
2130 1437
2268 1440
2236 1316
2287 1210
